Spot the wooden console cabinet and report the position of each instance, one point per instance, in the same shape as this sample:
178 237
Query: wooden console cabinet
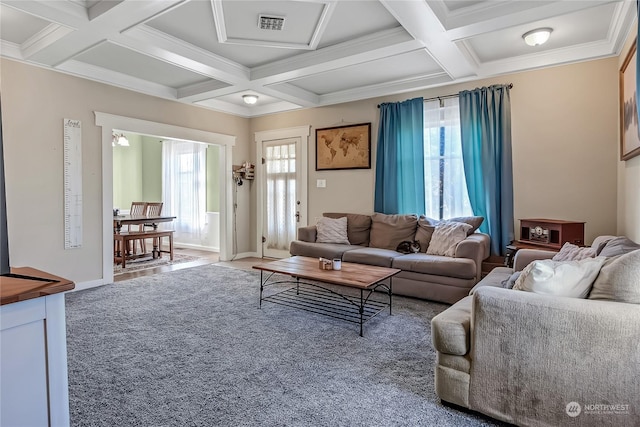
551 233
33 351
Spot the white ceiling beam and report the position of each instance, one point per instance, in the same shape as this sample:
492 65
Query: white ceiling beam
387 88
11 50
113 78
89 33
364 49
422 23
65 13
43 39
206 90
157 44
290 93
102 6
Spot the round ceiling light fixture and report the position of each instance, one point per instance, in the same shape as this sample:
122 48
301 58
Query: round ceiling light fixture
250 99
537 37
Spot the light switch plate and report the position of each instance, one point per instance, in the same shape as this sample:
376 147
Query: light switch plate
321 183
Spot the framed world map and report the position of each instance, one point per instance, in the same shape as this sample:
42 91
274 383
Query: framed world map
344 147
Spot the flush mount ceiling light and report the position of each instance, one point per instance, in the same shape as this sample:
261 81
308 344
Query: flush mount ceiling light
119 139
537 37
250 99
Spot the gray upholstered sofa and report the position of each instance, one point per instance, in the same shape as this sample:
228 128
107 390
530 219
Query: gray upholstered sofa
374 238
534 359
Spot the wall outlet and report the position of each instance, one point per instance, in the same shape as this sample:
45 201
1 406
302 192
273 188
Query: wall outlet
321 183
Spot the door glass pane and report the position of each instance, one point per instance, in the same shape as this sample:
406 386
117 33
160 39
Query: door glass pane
280 167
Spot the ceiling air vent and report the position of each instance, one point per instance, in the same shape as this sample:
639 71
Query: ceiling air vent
266 22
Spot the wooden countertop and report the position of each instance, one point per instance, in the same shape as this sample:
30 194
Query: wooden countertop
15 289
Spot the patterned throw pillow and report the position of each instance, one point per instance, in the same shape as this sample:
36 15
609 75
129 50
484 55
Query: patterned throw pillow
446 237
330 230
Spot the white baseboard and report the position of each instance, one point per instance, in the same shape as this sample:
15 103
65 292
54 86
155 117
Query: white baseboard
192 246
243 255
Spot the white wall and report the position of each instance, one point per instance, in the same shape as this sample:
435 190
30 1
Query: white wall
564 128
34 103
565 148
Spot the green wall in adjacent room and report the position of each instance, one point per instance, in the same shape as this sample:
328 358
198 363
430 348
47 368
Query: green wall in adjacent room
151 169
127 173
137 173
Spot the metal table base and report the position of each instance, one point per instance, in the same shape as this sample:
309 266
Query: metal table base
319 299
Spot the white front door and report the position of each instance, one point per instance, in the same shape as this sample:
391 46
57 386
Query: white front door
283 204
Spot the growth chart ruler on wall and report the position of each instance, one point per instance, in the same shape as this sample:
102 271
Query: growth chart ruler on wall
72 184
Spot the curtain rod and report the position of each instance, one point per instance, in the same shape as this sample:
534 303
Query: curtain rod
453 95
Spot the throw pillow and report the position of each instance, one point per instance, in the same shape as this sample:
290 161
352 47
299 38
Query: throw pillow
332 230
560 278
387 231
619 279
619 246
473 221
446 237
358 227
426 227
571 252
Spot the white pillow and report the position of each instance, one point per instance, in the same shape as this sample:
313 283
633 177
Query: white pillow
330 230
560 278
571 252
446 237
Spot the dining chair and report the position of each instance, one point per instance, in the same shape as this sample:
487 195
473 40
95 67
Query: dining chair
153 209
137 208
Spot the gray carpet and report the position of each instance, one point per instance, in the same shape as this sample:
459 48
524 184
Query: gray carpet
192 348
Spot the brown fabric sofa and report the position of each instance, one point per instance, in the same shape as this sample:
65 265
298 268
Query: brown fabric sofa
373 239
533 359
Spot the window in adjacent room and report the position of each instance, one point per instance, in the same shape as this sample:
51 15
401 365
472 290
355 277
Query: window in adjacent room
445 186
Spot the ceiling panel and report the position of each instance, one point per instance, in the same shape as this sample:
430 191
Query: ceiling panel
301 19
370 73
587 26
201 32
126 61
357 50
353 19
17 27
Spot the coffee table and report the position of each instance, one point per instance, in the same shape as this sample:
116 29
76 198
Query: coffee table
316 298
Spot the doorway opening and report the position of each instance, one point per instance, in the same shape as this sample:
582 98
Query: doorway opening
112 123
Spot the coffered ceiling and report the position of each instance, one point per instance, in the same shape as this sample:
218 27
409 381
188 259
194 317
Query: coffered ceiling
212 52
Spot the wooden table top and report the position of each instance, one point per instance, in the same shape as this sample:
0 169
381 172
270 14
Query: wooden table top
354 275
141 219
15 289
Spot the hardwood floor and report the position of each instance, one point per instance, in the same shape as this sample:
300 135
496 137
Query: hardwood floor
204 257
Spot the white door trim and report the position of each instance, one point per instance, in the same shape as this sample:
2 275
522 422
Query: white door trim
301 132
109 122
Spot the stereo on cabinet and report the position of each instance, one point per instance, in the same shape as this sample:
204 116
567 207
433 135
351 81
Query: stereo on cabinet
551 233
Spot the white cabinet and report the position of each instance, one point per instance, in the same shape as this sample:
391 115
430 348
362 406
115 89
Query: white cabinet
33 363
